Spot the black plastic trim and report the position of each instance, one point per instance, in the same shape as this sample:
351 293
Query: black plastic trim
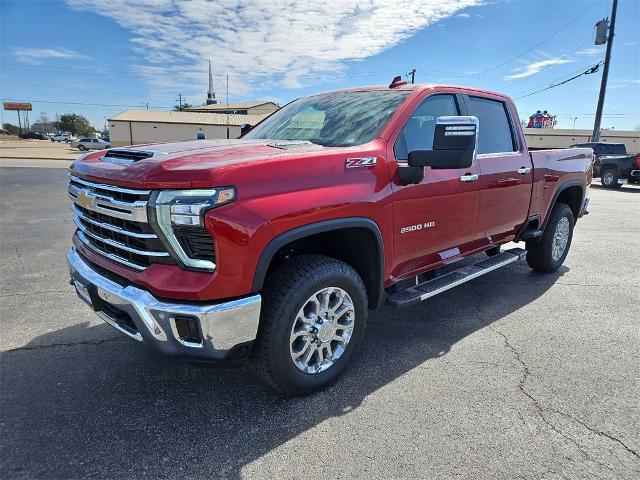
321 227
525 225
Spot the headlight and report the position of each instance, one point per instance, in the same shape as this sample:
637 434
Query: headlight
182 210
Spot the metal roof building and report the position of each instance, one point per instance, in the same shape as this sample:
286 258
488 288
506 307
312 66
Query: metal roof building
133 127
242 108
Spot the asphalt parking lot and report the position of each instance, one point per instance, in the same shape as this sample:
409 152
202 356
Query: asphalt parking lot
513 375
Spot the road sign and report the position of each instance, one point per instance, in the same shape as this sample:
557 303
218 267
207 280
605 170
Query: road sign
17 106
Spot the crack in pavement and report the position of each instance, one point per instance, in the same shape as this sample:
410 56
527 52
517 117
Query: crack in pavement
596 431
541 410
70 344
23 294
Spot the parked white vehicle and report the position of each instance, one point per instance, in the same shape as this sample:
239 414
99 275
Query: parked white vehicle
90 144
63 137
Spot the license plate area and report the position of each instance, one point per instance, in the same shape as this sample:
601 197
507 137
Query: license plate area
83 292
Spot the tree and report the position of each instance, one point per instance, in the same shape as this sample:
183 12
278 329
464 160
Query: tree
177 108
12 129
76 124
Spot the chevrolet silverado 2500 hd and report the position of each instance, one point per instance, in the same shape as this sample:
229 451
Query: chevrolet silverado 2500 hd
273 247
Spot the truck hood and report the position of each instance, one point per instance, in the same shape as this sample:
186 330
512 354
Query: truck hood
190 164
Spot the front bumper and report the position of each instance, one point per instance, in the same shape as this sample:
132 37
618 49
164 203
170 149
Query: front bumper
224 330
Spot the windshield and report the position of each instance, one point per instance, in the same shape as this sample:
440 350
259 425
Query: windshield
332 120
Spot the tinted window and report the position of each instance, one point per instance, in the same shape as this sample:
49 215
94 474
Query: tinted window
615 148
85 140
418 132
332 119
495 130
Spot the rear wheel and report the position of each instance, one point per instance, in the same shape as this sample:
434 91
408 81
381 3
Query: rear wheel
81 147
610 178
547 253
313 316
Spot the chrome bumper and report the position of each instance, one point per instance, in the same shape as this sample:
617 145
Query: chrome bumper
224 329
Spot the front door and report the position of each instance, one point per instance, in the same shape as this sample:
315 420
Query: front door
434 220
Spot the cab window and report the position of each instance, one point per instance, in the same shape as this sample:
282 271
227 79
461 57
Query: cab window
418 132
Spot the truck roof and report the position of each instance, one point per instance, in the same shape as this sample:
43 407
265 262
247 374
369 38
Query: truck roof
416 86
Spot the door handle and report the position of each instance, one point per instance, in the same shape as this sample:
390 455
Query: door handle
469 178
524 170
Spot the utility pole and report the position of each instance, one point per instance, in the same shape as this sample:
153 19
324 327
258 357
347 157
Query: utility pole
605 74
179 101
227 105
413 75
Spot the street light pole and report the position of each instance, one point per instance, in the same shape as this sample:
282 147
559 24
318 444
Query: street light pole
605 74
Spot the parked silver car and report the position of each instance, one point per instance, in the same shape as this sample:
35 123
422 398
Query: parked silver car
90 144
63 137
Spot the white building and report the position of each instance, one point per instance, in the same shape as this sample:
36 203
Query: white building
133 127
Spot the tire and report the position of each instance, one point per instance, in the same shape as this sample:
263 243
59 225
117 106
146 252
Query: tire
52 140
290 288
609 178
82 148
541 255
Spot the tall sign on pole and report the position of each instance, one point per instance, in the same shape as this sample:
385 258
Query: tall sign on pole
605 72
19 107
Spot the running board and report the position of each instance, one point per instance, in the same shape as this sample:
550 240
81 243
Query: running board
430 288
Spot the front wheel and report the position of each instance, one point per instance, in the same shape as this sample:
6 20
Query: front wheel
82 148
314 314
548 252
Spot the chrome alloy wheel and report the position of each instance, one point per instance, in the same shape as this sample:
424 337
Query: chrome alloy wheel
560 238
322 329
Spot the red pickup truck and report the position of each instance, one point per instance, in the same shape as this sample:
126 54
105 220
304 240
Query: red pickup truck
273 247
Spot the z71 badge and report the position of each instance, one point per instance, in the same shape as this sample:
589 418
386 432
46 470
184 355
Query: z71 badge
360 162
418 226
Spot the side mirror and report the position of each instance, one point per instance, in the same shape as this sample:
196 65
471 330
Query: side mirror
455 142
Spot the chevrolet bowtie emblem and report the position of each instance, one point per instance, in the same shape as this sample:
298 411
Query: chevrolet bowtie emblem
85 199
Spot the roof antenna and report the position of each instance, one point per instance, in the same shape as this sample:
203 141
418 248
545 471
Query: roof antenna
397 82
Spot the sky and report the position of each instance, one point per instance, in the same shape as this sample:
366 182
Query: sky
98 58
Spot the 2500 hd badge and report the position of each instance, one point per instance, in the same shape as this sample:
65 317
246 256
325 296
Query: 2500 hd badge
419 226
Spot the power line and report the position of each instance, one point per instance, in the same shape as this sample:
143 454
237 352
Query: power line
589 71
539 43
80 103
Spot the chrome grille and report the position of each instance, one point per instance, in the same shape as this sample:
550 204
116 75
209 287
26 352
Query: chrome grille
112 221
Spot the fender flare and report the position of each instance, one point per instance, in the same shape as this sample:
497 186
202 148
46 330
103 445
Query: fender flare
610 166
321 227
559 190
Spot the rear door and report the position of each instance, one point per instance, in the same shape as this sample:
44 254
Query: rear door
506 171
435 221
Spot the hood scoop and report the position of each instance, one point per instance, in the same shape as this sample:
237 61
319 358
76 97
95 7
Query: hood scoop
290 144
128 156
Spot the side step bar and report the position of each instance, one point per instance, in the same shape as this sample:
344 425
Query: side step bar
422 291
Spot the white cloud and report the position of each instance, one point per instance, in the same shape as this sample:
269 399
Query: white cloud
260 42
463 15
536 67
39 55
591 51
